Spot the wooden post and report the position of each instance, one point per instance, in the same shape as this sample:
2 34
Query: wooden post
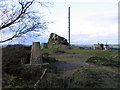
37 83
0 67
44 45
69 26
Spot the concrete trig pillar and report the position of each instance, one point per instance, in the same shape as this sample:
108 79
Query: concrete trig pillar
36 56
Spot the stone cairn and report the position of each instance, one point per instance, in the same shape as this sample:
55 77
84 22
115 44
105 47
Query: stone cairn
44 45
36 56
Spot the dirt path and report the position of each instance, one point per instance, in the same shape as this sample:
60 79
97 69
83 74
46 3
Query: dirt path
62 65
75 64
104 68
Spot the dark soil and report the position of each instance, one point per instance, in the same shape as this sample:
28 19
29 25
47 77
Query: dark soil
59 52
49 59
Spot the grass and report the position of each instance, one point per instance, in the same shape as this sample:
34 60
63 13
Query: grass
84 54
77 54
91 78
83 77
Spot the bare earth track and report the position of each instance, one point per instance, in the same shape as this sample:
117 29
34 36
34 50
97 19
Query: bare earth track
67 65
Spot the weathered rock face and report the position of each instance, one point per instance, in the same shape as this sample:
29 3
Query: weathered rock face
56 39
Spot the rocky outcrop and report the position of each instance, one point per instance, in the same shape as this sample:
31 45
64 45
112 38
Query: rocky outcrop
56 39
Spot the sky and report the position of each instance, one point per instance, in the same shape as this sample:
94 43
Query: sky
92 21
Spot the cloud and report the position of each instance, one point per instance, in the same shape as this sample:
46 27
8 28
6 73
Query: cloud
85 1
102 18
27 40
92 22
87 39
88 23
3 0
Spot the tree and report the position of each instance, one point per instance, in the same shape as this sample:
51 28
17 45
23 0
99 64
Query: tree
20 18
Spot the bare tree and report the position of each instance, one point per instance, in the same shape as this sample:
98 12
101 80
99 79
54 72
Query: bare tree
21 18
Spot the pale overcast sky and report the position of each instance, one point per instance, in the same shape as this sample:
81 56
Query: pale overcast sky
92 21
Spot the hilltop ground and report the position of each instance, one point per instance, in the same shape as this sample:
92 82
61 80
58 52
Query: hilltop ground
75 68
77 58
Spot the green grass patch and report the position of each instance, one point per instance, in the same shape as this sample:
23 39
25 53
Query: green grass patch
103 61
93 78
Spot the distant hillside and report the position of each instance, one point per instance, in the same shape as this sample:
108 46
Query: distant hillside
113 46
15 45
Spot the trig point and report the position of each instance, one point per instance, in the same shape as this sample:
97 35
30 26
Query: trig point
36 56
